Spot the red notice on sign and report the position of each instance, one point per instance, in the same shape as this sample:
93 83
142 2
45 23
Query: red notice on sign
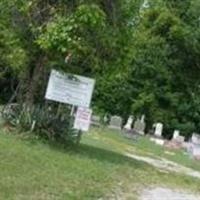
82 120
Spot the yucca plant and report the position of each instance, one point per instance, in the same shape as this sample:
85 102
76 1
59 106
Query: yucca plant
47 121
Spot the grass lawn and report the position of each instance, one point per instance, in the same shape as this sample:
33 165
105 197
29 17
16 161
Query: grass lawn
142 146
34 170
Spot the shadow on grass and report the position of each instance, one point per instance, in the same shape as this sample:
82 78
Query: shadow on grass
100 154
89 151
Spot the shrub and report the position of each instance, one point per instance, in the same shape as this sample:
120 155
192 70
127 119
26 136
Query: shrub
48 121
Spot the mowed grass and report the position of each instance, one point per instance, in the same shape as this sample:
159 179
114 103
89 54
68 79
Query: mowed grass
34 170
140 146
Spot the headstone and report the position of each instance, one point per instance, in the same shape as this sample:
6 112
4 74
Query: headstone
143 119
176 134
158 129
196 151
115 122
195 139
180 139
139 127
105 119
194 148
129 123
95 120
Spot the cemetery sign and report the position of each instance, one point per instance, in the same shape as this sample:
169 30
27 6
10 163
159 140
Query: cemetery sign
83 118
71 89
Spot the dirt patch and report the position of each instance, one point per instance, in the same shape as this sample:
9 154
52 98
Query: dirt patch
166 194
164 164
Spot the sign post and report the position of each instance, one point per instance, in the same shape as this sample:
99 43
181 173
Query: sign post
74 90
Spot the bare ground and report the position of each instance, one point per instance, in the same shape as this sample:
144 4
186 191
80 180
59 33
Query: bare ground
164 164
166 194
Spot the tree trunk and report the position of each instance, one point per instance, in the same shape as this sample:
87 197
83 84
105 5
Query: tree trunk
33 82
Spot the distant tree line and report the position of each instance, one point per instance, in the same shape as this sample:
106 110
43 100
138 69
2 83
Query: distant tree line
144 55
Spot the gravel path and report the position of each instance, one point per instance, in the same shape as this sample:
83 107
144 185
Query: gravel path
165 164
166 194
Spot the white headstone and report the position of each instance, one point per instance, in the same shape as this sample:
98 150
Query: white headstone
158 129
176 134
129 123
115 122
143 119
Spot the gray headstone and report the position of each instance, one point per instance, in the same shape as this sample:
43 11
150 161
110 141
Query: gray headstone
195 138
95 120
139 127
180 139
194 150
115 122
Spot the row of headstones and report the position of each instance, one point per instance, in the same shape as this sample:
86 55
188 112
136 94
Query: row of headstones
138 126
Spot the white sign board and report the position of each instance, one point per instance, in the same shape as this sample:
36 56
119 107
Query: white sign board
83 118
71 89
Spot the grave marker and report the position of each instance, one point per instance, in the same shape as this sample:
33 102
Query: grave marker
115 122
129 123
158 129
176 134
139 126
95 120
195 138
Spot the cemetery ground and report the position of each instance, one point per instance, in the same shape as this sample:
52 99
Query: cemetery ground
97 169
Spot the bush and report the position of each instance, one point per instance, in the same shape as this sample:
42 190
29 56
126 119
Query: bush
48 121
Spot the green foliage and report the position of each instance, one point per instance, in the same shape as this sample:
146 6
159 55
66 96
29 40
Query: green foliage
66 34
145 59
46 121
